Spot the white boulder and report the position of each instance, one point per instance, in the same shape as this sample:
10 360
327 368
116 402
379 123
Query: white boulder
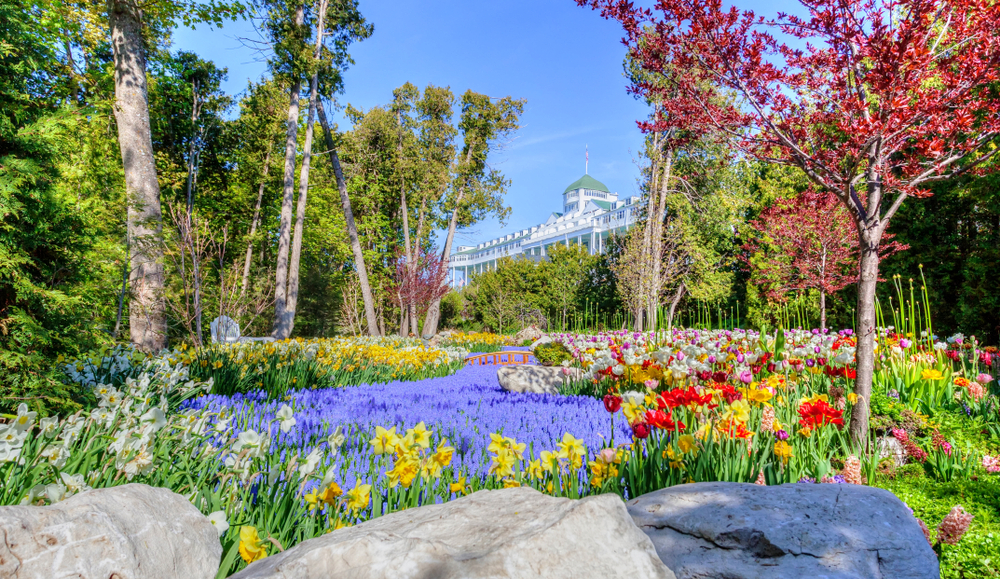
127 532
512 533
536 379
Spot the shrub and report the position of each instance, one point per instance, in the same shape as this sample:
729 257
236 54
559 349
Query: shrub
552 354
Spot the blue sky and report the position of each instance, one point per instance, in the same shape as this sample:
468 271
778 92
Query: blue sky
564 60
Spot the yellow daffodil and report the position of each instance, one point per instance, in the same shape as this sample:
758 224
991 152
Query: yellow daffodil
403 472
458 486
852 398
503 463
385 441
421 435
331 493
509 483
357 498
783 450
687 443
251 547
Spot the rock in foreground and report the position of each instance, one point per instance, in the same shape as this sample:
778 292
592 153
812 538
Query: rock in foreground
511 533
535 379
128 532
791 531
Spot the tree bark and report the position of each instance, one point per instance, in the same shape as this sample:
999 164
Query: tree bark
434 310
352 229
147 318
288 190
253 224
678 294
414 321
865 334
288 315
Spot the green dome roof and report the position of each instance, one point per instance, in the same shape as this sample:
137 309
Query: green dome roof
587 182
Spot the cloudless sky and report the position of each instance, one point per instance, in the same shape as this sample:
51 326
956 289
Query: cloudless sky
566 61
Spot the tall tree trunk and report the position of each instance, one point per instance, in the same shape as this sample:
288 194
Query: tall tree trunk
288 190
74 86
639 311
434 310
414 321
191 148
253 224
404 304
678 294
656 248
287 320
865 334
352 229
147 318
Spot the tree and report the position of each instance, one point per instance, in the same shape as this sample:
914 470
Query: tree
807 242
565 273
337 24
873 100
421 283
476 189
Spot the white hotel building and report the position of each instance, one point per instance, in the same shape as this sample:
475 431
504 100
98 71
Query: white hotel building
591 214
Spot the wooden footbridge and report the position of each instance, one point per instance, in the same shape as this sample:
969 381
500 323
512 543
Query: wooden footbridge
501 359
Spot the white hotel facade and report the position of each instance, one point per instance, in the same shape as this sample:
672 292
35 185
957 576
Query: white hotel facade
591 213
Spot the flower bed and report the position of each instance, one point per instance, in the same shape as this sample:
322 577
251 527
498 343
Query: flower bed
694 406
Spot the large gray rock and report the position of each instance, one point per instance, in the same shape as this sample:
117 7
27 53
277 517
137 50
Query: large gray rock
537 379
791 531
511 533
128 532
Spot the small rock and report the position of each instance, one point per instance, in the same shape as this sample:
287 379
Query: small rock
743 531
511 533
530 333
539 342
890 446
536 379
128 532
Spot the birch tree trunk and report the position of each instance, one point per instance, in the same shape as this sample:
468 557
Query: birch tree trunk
656 253
678 294
352 229
404 305
288 190
287 320
253 224
434 311
414 321
147 318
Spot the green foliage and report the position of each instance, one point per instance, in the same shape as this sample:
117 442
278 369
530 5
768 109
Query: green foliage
975 556
552 354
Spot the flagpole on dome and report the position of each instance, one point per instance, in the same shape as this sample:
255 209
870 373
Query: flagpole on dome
586 165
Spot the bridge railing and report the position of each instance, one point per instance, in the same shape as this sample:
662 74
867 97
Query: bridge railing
501 359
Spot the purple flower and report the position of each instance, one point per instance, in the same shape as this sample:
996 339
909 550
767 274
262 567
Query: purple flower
781 434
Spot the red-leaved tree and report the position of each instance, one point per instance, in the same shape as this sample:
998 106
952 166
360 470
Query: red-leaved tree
872 99
806 242
421 282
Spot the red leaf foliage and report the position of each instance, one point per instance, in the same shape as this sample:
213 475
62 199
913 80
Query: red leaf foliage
807 242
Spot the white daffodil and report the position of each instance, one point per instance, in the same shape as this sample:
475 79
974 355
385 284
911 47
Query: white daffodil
49 426
24 419
55 492
218 520
56 454
74 483
223 424
310 462
285 417
336 439
154 419
249 439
